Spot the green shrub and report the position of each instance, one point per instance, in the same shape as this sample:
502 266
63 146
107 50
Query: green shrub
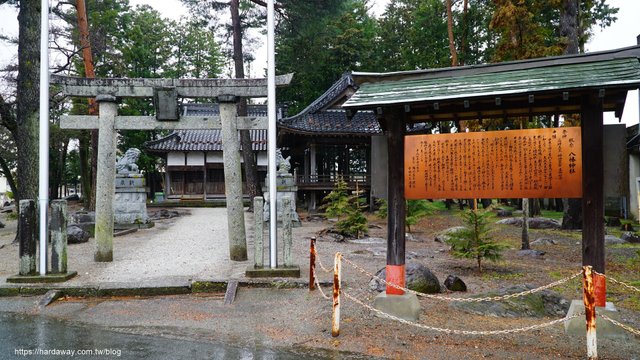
416 210
339 204
474 242
383 208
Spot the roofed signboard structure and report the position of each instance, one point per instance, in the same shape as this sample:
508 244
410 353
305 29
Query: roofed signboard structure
586 84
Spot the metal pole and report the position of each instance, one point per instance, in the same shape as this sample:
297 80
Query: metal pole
271 107
43 179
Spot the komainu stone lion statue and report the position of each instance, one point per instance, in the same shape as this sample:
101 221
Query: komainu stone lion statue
127 163
283 164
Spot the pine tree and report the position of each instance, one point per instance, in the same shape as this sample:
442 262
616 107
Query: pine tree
474 242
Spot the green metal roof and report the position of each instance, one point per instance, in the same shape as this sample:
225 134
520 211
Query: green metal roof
623 72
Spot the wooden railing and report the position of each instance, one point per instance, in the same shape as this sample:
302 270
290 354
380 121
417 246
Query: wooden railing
329 180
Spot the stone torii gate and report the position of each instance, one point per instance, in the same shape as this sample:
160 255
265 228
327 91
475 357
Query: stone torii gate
165 94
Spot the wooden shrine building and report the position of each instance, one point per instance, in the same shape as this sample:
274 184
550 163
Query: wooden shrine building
193 158
325 144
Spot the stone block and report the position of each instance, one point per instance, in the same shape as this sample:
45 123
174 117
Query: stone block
604 328
405 306
129 182
266 272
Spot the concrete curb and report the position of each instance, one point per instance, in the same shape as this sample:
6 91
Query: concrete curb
178 287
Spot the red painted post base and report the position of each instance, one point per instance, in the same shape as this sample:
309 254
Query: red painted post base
396 276
600 290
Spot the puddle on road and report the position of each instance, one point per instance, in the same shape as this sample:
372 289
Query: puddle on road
38 336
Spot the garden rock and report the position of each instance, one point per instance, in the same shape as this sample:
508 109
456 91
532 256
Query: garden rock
369 240
534 223
504 213
75 235
544 241
540 304
1 225
72 197
419 278
613 240
631 237
83 217
454 283
164 214
531 253
445 235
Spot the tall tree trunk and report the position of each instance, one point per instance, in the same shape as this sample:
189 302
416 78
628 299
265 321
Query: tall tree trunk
452 45
250 165
465 32
87 58
525 224
572 218
26 135
85 168
569 26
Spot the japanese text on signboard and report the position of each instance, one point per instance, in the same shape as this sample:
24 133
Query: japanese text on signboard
536 163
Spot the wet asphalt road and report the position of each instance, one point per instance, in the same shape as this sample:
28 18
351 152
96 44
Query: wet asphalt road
36 337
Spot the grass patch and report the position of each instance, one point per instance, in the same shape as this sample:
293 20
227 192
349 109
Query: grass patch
436 206
557 215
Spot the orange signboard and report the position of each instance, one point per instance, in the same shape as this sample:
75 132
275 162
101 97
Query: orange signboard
536 163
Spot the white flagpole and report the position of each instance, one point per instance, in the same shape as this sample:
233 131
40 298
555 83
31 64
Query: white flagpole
43 179
271 107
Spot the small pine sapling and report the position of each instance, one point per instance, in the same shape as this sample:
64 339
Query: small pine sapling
474 242
416 210
337 201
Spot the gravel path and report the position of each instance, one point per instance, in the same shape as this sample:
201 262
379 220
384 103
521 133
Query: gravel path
187 247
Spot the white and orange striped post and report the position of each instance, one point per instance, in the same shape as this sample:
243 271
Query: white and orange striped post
337 278
590 312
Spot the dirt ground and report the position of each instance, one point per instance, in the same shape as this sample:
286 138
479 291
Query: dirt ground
302 319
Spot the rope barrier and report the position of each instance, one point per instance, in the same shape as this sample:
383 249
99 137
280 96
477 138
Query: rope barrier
315 277
628 328
631 287
320 263
460 332
449 298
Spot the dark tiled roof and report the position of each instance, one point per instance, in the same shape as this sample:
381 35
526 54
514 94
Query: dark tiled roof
201 140
213 109
317 118
332 122
206 140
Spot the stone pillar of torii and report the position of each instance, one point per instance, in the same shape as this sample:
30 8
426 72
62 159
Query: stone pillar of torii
165 94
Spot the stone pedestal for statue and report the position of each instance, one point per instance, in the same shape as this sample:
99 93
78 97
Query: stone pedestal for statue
130 201
287 188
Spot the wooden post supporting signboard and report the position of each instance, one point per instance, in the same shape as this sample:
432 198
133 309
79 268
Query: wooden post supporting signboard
395 127
593 191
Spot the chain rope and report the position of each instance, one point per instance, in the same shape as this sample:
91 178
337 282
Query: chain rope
628 328
449 298
628 286
456 331
315 278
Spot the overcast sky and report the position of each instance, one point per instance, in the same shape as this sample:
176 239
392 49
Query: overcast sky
622 33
